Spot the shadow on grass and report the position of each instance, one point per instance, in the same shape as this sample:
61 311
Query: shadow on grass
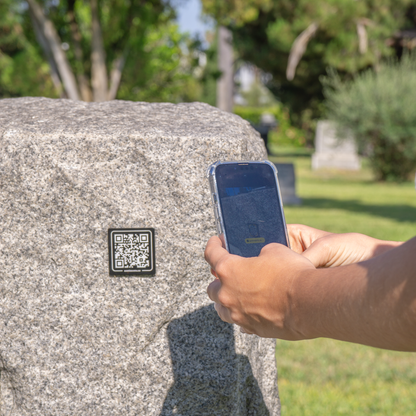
400 213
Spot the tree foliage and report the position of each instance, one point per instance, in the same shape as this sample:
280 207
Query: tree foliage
285 134
351 36
378 108
102 49
22 69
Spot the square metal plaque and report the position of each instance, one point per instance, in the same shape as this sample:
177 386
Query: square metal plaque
131 251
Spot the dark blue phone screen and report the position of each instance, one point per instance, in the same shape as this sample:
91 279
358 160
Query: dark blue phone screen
250 207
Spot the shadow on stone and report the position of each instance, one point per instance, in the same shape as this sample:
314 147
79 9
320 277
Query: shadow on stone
210 378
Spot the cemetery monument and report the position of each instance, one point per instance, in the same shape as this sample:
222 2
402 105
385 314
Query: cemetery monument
331 152
104 216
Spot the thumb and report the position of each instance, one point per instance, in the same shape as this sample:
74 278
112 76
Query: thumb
318 254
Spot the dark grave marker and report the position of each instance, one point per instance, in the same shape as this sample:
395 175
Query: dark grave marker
287 183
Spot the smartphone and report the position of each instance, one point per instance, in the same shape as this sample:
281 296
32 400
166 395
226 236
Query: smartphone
247 204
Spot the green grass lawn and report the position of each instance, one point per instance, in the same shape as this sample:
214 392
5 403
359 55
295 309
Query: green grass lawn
326 377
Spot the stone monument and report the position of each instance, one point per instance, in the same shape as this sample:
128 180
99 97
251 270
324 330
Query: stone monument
90 322
331 152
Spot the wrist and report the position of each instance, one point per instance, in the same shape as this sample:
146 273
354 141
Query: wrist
383 246
304 305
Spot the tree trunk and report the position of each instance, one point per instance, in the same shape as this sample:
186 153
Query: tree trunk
298 49
47 51
76 36
54 44
225 84
362 38
98 68
115 77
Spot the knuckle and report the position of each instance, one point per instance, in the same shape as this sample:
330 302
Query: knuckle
265 250
224 266
236 317
212 288
269 248
327 243
224 299
207 249
295 227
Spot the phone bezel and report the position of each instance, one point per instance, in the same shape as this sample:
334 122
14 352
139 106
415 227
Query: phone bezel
219 221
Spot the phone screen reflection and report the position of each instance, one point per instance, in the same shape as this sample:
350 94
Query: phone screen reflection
250 208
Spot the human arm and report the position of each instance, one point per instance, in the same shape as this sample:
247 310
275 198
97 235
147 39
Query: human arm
280 294
326 249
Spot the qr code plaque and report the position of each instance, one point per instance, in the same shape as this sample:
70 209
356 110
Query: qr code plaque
131 252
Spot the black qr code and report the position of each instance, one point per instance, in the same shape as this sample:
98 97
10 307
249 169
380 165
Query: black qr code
131 251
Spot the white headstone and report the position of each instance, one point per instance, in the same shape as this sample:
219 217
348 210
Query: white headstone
331 151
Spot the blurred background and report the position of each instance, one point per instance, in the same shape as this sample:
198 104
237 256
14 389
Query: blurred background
329 84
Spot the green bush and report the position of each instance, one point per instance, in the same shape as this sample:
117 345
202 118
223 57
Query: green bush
285 134
378 107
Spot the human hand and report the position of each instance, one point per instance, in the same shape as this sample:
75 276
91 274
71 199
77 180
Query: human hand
326 249
255 292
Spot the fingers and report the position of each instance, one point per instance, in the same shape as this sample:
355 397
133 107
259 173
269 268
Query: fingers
302 236
334 250
215 252
223 313
317 255
295 238
245 331
273 253
213 290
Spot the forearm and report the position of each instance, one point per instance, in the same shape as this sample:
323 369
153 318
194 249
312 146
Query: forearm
371 303
381 246
326 249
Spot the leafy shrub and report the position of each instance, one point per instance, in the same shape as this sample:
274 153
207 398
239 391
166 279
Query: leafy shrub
379 108
285 134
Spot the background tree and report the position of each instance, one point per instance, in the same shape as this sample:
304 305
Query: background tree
22 69
209 72
103 49
347 35
378 108
225 83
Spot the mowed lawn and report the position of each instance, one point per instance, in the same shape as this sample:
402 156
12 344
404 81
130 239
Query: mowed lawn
327 377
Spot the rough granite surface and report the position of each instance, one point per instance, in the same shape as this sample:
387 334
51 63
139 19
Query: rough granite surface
75 341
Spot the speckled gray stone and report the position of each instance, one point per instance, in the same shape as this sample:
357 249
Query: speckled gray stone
75 341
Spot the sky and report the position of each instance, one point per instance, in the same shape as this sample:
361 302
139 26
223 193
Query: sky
189 18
